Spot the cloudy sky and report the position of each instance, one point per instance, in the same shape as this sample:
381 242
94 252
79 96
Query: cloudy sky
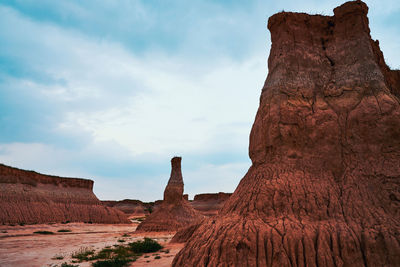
111 90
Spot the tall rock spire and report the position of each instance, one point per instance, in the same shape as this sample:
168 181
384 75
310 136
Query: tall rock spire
174 190
174 212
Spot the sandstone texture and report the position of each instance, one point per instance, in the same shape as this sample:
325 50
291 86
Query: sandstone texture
174 212
28 197
209 204
324 185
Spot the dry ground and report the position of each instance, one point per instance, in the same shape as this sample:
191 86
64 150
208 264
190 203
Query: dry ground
19 246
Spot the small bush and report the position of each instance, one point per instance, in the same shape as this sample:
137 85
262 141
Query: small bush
66 222
64 231
112 263
121 240
83 254
125 235
44 232
58 257
157 257
145 246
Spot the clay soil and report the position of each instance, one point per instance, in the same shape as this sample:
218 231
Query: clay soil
19 246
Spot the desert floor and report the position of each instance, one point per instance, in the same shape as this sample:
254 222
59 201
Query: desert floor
19 246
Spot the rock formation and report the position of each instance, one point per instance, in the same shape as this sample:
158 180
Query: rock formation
131 207
29 197
174 212
209 204
324 185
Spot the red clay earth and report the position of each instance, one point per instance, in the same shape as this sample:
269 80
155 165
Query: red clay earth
175 212
324 185
28 197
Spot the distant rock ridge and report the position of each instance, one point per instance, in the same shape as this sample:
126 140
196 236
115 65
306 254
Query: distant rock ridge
131 207
209 203
29 197
324 185
174 212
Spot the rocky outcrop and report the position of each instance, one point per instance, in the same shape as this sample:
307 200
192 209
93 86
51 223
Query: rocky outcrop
174 212
209 204
324 185
29 197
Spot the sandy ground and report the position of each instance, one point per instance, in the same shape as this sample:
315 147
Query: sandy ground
20 247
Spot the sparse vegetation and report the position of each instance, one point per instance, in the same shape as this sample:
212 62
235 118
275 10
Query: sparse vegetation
157 257
64 231
119 255
83 254
44 232
125 235
121 240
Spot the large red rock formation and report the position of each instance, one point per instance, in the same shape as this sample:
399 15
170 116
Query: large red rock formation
209 204
324 185
174 212
30 197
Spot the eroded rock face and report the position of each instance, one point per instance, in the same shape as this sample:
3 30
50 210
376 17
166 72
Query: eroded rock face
174 212
324 186
29 197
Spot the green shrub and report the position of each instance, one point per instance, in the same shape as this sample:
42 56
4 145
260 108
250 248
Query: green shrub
44 233
157 257
64 231
121 240
145 246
